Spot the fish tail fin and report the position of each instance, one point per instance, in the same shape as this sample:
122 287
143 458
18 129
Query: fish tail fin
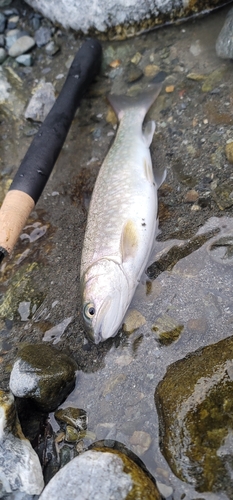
143 102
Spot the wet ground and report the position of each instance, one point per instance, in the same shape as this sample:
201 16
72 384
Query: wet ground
190 295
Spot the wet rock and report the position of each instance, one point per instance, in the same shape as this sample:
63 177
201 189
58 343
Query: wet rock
51 48
196 77
22 45
101 473
229 151
20 288
133 320
106 430
42 36
72 416
195 48
3 55
167 330
41 102
2 41
133 73
194 403
20 469
212 80
112 383
24 59
140 442
2 22
136 58
223 194
151 70
224 44
43 374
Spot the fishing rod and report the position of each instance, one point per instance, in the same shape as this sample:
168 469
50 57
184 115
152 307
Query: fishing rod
36 167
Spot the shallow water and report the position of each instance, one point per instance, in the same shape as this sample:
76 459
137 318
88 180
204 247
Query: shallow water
191 296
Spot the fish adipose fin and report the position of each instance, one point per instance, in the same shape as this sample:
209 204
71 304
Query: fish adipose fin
120 103
129 240
148 132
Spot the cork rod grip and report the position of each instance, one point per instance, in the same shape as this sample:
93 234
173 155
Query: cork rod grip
14 213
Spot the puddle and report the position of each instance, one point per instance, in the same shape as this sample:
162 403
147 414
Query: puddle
188 302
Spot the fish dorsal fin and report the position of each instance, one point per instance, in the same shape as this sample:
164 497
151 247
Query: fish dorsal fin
148 132
129 240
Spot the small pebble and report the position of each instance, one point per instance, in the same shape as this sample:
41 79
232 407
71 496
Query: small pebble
24 59
191 196
42 36
133 320
169 89
136 58
151 70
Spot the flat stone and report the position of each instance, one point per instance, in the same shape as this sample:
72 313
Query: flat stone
24 59
22 45
12 36
133 320
140 442
151 70
41 102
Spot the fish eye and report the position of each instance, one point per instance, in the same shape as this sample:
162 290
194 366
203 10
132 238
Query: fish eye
89 311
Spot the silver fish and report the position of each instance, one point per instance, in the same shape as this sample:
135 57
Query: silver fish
122 220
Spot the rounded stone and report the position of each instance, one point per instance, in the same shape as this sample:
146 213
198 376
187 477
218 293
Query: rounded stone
42 374
101 474
22 45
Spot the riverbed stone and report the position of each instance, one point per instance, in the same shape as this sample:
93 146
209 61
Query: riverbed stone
2 22
194 402
119 18
20 469
3 55
101 473
224 44
22 45
42 374
41 102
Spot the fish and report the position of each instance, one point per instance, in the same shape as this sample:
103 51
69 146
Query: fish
122 219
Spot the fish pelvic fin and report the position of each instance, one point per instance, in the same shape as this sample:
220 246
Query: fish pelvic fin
121 103
148 132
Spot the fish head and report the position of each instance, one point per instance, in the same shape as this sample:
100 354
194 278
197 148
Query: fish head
105 299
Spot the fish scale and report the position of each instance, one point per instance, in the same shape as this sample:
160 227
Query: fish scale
122 221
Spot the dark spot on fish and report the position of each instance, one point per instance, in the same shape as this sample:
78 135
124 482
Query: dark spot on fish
143 224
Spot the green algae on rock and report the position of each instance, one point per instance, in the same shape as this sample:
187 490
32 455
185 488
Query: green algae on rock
43 374
194 403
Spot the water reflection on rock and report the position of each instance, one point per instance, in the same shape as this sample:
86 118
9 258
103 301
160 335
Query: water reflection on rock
195 404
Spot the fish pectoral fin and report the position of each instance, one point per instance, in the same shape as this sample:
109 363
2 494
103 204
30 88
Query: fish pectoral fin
148 132
129 240
160 175
148 171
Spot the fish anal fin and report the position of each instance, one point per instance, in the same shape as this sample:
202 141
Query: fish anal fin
148 132
129 240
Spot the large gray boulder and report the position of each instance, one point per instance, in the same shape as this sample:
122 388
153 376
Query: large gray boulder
120 18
